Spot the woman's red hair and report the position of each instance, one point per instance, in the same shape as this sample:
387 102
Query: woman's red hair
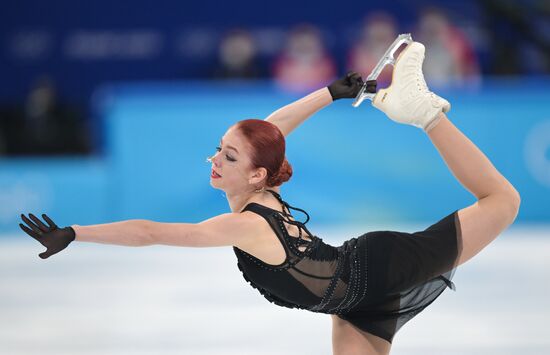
267 149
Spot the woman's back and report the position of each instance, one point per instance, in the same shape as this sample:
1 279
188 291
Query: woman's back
265 244
292 267
377 281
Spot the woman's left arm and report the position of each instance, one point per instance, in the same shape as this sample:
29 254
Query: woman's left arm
292 115
55 239
132 233
226 229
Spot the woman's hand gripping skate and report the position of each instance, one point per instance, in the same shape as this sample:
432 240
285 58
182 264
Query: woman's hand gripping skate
348 86
51 236
408 100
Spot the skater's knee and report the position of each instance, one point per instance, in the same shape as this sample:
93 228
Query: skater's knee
506 202
515 202
484 220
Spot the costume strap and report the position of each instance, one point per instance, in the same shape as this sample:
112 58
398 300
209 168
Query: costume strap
284 203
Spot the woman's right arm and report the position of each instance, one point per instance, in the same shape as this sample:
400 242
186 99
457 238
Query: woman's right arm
292 115
288 117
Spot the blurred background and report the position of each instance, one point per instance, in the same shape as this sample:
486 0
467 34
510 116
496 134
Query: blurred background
108 111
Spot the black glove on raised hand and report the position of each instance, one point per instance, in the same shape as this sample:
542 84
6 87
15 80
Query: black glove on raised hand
346 87
52 237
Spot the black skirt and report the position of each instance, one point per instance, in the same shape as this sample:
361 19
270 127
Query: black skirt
405 272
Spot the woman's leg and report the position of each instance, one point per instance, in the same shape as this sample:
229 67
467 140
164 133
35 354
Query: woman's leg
408 100
349 340
498 201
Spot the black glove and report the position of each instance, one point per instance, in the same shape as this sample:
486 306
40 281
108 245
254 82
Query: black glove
346 87
51 236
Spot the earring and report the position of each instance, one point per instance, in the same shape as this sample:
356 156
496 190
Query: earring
260 190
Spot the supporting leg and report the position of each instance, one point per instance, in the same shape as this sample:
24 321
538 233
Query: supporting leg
349 340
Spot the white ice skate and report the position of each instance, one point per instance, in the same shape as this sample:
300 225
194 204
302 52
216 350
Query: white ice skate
408 99
368 91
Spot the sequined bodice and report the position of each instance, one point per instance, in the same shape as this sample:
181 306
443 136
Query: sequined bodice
316 278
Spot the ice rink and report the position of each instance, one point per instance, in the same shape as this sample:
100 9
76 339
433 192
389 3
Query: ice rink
103 299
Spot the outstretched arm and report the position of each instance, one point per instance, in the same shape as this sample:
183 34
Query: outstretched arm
228 229
132 233
292 115
224 230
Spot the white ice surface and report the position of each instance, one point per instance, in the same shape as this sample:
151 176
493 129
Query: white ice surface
104 299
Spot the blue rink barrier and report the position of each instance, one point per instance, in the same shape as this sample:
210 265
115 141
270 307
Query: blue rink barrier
350 165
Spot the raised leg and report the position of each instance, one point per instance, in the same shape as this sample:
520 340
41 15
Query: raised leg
408 100
349 340
498 201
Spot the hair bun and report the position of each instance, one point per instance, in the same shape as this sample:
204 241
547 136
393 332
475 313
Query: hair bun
283 175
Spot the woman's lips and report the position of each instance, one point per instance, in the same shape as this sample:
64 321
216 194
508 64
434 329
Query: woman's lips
214 175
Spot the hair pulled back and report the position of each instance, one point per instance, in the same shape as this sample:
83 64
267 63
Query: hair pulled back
267 149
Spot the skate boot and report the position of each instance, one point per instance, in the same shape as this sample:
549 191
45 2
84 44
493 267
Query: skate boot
408 99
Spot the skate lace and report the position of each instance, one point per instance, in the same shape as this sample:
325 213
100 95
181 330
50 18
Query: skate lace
421 82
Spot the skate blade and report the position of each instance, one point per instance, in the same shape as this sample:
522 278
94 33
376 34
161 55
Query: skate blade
387 58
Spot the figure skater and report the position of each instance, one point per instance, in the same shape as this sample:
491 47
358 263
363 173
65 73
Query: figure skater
371 285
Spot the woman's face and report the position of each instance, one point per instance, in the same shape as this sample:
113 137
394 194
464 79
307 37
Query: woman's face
231 166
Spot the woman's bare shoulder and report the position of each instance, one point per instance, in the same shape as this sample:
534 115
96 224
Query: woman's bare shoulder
254 223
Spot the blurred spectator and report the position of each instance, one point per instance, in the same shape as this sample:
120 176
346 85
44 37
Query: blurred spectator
450 58
304 63
44 125
237 57
378 32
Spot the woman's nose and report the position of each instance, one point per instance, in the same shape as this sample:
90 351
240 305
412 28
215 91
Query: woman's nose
214 159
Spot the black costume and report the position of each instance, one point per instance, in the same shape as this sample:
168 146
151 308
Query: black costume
377 281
